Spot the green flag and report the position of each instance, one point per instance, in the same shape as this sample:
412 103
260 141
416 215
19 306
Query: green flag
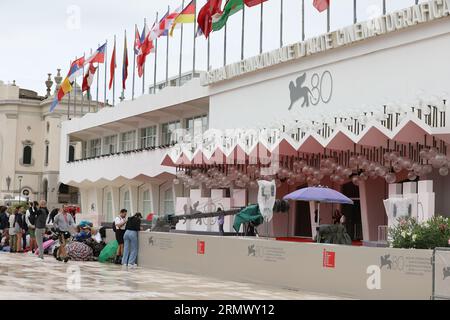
231 7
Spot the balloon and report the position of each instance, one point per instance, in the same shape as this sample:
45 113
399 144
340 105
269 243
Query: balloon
412 176
391 178
443 171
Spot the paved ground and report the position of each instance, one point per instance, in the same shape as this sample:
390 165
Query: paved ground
22 276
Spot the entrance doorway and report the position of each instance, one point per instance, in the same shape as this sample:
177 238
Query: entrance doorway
352 213
302 219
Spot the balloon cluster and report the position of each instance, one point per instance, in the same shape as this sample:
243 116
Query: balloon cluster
357 169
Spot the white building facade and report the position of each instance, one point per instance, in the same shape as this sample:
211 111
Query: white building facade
30 145
366 90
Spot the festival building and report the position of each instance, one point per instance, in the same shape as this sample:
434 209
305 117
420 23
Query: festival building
362 110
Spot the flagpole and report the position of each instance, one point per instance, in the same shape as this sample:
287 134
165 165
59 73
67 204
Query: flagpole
224 46
384 7
75 98
114 77
68 103
167 53
82 95
106 70
355 17
243 31
156 58
134 62
208 48
328 17
125 54
143 66
89 89
195 37
98 83
303 20
261 27
281 23
181 50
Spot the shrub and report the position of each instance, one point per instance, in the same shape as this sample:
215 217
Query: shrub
427 235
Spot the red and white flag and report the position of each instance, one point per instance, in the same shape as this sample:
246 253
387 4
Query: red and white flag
89 77
146 46
321 5
113 67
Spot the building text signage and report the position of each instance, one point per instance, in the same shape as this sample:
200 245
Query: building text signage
397 20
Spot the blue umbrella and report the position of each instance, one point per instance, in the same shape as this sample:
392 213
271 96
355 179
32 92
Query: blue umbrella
320 195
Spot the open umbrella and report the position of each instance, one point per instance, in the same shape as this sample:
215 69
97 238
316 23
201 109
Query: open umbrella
320 195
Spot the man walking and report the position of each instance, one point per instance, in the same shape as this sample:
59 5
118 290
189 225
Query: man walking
65 225
41 219
30 219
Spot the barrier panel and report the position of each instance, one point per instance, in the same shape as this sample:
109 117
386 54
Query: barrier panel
441 274
344 271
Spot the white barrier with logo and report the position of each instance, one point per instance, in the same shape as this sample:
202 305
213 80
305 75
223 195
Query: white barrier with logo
345 271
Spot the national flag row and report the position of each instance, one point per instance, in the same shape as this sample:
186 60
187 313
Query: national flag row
211 17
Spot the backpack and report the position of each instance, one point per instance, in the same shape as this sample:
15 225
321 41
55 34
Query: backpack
32 217
114 227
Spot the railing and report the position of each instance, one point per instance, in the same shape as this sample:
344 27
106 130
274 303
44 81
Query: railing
139 150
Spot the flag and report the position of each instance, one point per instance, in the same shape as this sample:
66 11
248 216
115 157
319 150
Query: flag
146 46
89 77
66 85
167 21
76 69
98 56
125 64
137 41
112 67
321 5
204 18
185 16
252 3
231 7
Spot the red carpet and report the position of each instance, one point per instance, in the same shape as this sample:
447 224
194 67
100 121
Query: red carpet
356 243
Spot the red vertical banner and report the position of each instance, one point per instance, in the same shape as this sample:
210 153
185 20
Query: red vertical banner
329 259
200 247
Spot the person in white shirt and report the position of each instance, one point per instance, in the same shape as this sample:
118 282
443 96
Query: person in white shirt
12 231
120 223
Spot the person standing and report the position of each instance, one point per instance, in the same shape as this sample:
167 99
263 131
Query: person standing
131 242
65 225
41 219
120 225
12 231
20 228
30 220
221 221
4 223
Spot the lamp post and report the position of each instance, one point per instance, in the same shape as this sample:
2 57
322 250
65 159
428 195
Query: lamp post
20 187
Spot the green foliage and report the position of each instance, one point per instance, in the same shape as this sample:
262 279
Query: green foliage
427 235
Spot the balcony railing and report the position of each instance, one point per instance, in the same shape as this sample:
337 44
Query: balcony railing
139 150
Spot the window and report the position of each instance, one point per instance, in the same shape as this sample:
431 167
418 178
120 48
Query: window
127 201
148 137
196 126
95 147
85 149
46 155
110 144
109 207
168 202
71 153
127 141
27 155
169 133
146 203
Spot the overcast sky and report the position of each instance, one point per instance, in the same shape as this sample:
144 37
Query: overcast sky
37 37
